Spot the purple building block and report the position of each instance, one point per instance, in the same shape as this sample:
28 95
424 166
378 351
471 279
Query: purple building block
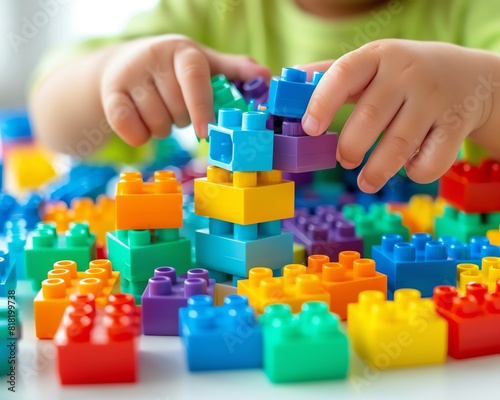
300 178
324 232
255 89
294 151
166 293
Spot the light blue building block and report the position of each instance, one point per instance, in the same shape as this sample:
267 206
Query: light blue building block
8 279
472 252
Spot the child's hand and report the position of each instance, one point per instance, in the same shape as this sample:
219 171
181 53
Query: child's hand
150 84
427 96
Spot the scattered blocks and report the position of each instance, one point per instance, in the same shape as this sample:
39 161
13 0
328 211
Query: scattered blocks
308 346
422 264
8 279
63 284
473 319
243 197
240 248
489 274
470 188
148 205
399 333
375 223
45 247
220 338
464 225
346 279
324 232
294 288
98 346
166 294
289 93
241 142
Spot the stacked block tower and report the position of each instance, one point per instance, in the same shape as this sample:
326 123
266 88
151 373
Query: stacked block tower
148 218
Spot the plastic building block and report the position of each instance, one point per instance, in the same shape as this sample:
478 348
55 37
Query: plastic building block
9 333
7 206
136 253
63 283
309 346
82 181
240 248
255 90
375 223
45 247
419 213
295 288
243 197
148 205
220 338
399 333
289 93
222 290
346 279
422 264
166 294
299 253
489 274
494 236
294 151
98 346
15 235
241 142
472 252
324 232
226 95
8 279
470 188
464 225
473 320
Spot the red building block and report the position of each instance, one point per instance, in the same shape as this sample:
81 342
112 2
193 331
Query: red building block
473 319
148 205
99 346
346 279
473 189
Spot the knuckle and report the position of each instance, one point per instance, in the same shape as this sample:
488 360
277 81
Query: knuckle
377 177
318 105
367 115
398 145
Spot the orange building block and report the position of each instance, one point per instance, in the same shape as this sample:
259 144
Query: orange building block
148 205
64 282
294 288
346 279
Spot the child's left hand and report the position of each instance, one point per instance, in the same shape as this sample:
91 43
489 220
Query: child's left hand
427 96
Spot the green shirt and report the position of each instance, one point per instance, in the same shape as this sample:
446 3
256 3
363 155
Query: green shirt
278 33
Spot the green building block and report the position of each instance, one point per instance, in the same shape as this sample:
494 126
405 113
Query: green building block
373 224
308 346
136 253
10 332
463 225
45 247
226 95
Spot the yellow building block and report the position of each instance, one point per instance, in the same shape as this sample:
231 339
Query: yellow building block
64 281
243 197
403 332
489 274
222 290
420 212
295 288
494 236
299 253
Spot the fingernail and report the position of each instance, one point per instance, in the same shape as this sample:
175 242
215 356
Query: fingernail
367 187
310 125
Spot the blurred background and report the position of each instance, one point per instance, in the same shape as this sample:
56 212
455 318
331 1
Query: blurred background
29 28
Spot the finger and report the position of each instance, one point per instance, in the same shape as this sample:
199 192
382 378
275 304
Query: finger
124 118
192 71
347 76
316 66
236 66
436 155
401 140
374 111
152 110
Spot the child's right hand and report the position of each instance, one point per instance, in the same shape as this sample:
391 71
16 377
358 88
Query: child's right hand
150 84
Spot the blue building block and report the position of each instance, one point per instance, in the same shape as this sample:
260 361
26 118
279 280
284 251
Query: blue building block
472 252
325 231
240 141
289 93
220 338
15 234
166 294
82 181
422 264
8 280
8 205
235 249
30 209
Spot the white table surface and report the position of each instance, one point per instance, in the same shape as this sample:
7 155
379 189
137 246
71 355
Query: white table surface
163 376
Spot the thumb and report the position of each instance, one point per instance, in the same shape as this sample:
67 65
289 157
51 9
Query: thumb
321 66
236 66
